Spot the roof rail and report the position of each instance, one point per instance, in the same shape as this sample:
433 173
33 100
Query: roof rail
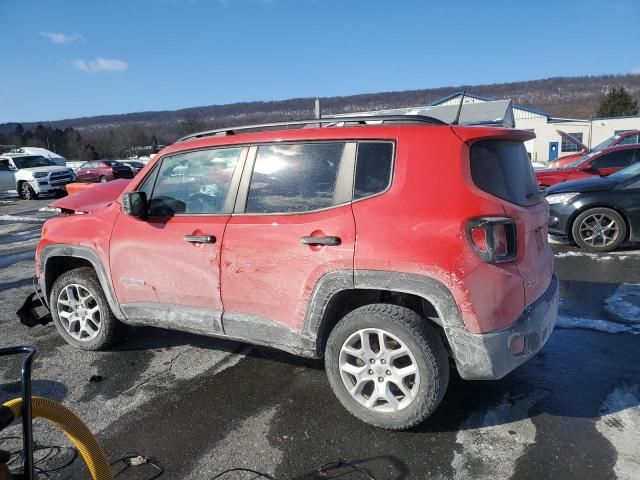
328 121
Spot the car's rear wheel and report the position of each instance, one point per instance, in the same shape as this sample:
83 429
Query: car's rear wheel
26 191
387 366
599 230
81 312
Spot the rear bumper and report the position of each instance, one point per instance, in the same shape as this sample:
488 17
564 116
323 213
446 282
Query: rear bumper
489 356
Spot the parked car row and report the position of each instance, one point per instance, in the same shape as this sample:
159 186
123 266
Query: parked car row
624 138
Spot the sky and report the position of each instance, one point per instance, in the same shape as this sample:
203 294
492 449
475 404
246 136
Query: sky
72 58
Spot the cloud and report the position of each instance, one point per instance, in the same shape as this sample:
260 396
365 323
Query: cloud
62 38
101 65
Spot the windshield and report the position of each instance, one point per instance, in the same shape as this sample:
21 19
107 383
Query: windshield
626 173
577 162
607 143
113 163
134 164
29 162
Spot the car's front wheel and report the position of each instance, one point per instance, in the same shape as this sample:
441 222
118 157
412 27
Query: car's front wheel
387 366
81 312
26 191
599 230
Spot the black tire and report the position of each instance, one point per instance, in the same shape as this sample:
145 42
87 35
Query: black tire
103 179
109 328
26 191
422 341
580 233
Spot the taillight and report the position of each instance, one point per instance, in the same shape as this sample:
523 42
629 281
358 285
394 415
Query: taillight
494 239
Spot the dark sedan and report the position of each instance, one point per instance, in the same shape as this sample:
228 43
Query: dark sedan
599 214
134 166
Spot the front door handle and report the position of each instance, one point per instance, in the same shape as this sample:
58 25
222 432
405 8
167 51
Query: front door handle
200 238
323 241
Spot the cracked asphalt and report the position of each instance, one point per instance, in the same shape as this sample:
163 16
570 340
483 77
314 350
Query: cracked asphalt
199 405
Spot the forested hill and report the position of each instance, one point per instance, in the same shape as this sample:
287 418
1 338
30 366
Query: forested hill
569 97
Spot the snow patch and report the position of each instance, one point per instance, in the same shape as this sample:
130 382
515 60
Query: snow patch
492 442
620 425
564 321
16 218
624 304
593 256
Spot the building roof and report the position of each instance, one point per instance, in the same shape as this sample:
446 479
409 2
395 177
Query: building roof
496 112
487 99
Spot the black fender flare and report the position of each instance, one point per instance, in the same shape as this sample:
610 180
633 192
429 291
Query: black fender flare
85 253
421 286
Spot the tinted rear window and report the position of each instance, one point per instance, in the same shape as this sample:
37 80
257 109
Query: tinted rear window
502 168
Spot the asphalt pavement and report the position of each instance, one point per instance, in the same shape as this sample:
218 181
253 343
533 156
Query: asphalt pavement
198 406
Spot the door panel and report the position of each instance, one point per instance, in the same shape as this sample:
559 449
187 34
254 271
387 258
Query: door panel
170 262
294 223
152 262
268 272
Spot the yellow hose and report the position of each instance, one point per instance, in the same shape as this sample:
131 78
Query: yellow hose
67 421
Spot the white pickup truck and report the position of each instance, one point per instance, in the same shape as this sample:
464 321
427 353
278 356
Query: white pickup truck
32 175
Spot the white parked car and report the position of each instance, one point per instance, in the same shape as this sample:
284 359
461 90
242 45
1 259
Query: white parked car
32 175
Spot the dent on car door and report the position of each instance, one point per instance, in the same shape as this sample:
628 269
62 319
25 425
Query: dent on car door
292 223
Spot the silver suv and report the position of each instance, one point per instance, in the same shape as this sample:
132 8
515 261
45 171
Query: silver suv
32 175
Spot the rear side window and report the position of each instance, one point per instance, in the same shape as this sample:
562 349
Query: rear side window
502 168
373 168
299 177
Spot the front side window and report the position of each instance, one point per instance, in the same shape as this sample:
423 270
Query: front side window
295 178
373 168
4 166
193 182
619 159
569 146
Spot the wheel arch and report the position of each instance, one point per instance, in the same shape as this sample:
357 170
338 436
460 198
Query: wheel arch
58 259
338 293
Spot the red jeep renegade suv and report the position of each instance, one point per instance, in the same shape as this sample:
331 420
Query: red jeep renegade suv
390 246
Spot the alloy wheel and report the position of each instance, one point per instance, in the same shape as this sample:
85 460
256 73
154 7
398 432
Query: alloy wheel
599 230
378 370
79 312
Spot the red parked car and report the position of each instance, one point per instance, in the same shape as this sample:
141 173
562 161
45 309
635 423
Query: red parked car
624 138
392 250
603 163
103 171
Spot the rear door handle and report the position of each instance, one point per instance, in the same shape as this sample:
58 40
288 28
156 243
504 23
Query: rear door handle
200 238
324 241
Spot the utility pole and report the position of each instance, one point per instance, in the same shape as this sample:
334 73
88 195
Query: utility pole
318 112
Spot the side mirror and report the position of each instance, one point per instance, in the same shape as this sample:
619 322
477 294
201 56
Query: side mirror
134 204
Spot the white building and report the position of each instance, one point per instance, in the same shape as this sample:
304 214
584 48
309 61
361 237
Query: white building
548 143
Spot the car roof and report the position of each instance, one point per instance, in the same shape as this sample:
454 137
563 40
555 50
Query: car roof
617 147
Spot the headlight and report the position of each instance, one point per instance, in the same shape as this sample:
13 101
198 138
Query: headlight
40 174
552 165
560 197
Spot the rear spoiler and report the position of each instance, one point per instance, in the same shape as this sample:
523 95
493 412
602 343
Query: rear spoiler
471 134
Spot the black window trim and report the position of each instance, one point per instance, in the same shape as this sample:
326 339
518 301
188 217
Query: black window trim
232 192
391 176
345 175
